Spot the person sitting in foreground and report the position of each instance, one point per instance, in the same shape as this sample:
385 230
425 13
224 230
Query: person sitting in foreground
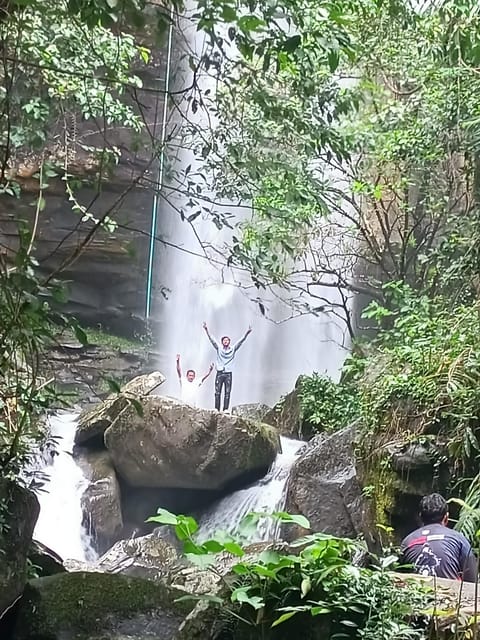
436 550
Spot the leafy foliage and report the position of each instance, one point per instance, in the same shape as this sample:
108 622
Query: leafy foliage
313 585
328 405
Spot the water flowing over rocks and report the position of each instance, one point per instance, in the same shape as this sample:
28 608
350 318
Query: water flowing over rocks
175 445
21 512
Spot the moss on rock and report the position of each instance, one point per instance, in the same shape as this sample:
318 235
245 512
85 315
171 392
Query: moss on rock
74 604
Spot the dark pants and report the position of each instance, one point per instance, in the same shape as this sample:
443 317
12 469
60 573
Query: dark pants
223 378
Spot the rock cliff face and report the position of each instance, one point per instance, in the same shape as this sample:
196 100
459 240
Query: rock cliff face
106 278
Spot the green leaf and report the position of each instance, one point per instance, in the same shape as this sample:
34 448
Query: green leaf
213 546
201 561
137 405
186 526
241 595
234 548
164 517
229 13
302 521
113 385
284 617
80 334
250 23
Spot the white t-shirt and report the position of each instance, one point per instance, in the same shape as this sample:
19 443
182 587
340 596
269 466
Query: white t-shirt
189 391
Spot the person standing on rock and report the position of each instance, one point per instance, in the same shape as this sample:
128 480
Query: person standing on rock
188 387
225 355
436 550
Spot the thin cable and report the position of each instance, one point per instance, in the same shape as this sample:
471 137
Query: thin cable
153 228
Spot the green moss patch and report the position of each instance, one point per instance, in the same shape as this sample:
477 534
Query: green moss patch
74 604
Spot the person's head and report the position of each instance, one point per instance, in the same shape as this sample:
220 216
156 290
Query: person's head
226 342
434 509
190 375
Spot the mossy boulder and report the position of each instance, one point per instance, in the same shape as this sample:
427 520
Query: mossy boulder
94 606
172 445
93 421
20 511
396 470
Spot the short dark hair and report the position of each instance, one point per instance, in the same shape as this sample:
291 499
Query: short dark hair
190 371
223 338
433 508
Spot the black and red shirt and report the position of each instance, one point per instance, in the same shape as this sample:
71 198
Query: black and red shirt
435 550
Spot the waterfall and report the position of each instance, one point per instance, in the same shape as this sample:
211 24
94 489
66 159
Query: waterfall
198 286
59 525
267 495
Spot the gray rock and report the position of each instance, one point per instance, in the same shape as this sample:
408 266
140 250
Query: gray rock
20 508
146 557
45 561
93 421
94 606
323 486
286 416
176 446
101 501
254 411
411 457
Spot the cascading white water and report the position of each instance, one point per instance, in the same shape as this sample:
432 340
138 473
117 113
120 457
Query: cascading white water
267 495
59 525
201 288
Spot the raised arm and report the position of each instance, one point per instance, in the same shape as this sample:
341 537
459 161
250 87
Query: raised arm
179 368
212 340
242 340
210 369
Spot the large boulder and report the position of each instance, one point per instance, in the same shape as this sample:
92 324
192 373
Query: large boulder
101 500
174 445
148 557
93 421
97 606
20 509
323 486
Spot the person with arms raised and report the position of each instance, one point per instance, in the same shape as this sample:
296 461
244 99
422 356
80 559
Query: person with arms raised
225 356
188 387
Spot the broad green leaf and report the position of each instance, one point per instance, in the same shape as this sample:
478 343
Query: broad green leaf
283 618
164 517
234 548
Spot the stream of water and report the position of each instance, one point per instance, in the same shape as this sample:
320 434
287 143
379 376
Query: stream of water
59 525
